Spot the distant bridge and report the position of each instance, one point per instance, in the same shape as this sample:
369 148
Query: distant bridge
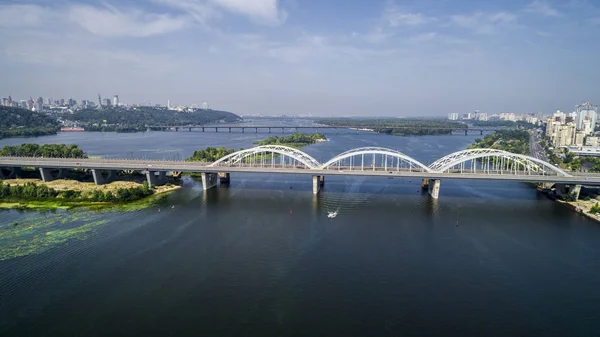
482 164
283 128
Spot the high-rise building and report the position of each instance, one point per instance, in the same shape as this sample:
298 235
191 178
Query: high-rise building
107 102
584 112
579 138
564 135
587 128
99 101
204 106
168 104
453 116
115 101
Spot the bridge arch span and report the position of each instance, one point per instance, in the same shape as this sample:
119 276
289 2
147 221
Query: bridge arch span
402 160
290 152
499 159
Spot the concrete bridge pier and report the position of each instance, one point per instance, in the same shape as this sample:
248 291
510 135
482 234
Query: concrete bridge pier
209 180
154 179
425 184
202 129
562 189
481 132
100 179
269 130
224 177
9 172
47 175
434 188
318 183
575 190
466 132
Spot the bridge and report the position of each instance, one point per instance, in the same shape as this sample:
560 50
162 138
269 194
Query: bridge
480 164
283 128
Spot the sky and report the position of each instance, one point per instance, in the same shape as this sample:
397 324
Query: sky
324 57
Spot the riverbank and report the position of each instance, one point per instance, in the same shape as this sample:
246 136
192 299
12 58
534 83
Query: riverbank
85 189
580 206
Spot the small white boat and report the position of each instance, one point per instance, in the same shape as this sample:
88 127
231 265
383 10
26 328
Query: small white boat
332 215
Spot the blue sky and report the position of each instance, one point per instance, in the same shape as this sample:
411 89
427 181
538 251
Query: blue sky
352 57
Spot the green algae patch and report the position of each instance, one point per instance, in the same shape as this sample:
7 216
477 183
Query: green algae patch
41 232
42 205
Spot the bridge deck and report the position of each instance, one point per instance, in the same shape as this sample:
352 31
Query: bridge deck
262 127
161 165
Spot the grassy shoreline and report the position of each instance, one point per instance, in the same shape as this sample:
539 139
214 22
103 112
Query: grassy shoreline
74 185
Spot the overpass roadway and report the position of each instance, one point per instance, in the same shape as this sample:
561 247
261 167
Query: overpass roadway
209 173
242 128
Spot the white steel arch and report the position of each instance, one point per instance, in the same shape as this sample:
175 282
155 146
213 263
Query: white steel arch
374 151
530 164
290 152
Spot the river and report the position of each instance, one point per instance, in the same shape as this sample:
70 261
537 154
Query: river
486 259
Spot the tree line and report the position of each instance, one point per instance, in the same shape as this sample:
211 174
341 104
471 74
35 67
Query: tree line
397 126
18 122
114 128
502 123
31 191
142 116
46 151
515 141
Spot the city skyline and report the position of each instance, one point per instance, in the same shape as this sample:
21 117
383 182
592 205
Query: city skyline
403 58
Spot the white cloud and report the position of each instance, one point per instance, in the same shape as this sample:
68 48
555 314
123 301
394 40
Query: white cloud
260 11
110 22
264 12
22 15
542 8
394 17
484 23
201 11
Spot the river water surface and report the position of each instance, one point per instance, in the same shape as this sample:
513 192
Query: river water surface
486 259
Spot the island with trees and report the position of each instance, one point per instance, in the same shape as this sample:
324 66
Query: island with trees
77 189
210 154
17 122
515 141
296 140
397 126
